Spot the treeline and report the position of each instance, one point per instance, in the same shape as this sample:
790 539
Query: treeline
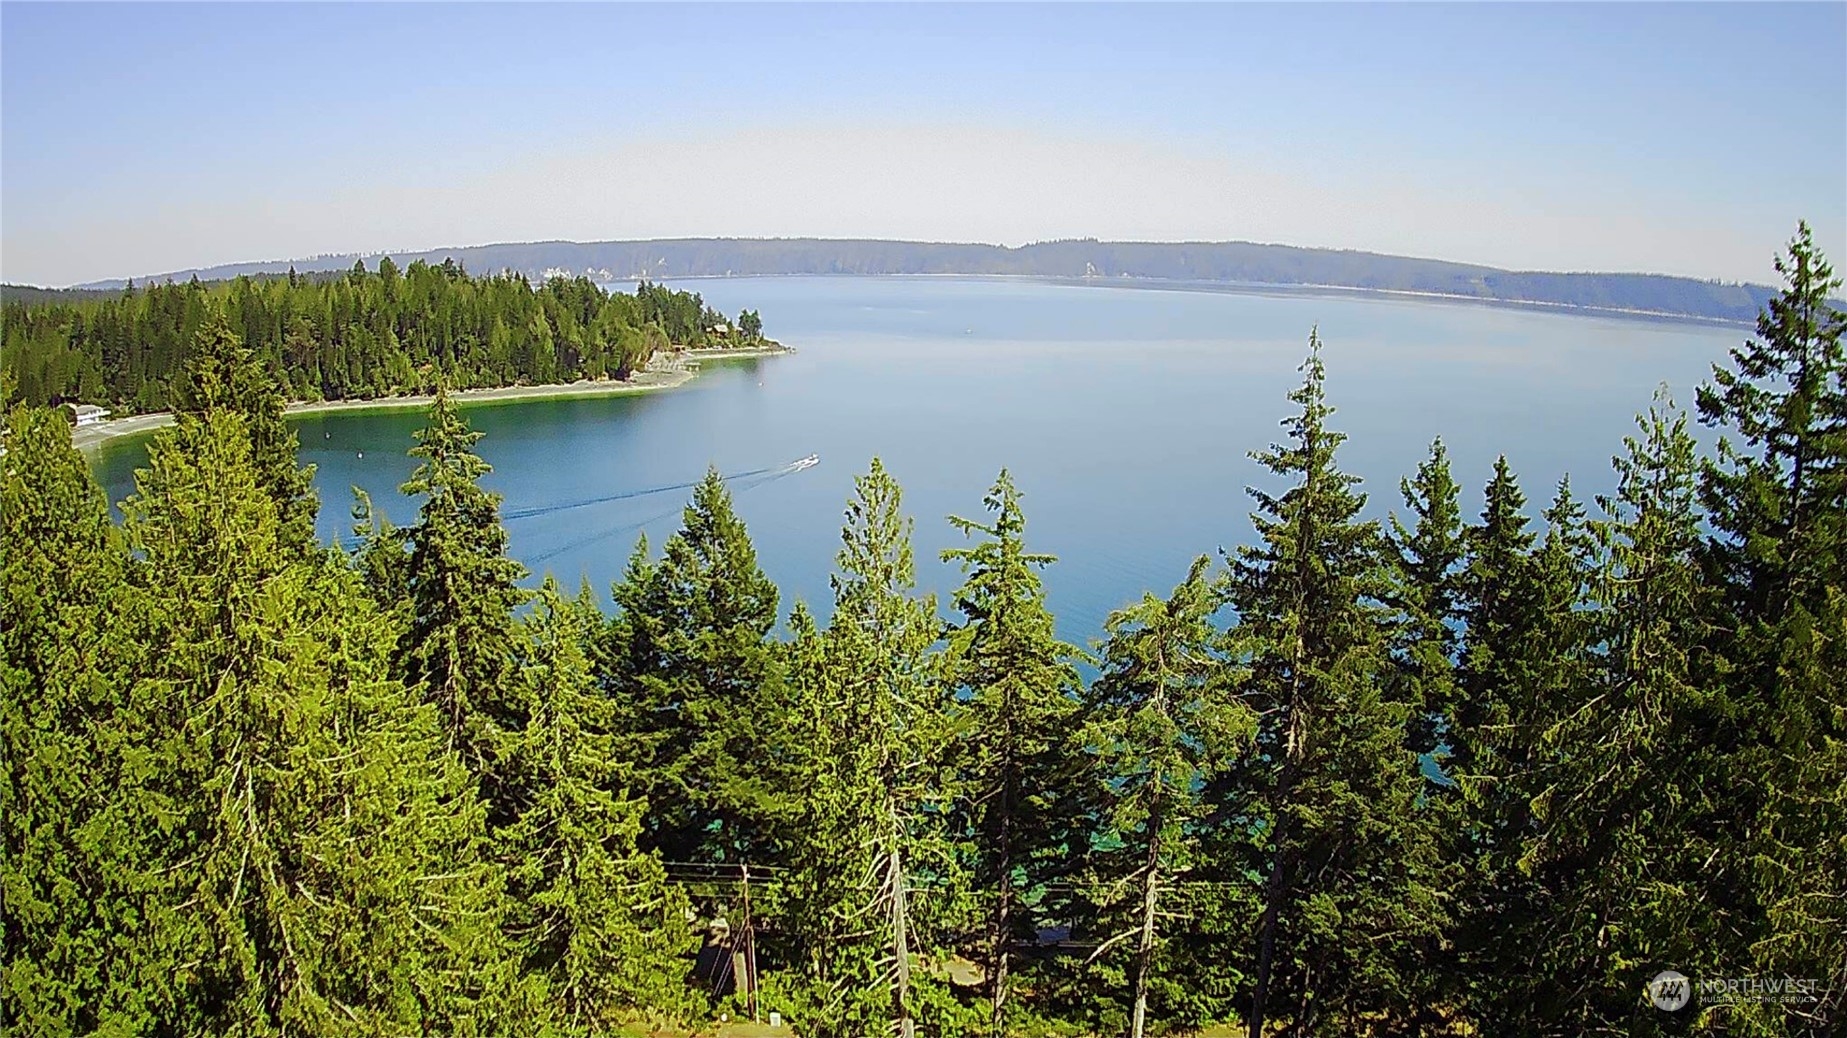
1442 775
1221 261
353 335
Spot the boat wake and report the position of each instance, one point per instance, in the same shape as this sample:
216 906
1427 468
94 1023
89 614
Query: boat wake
739 481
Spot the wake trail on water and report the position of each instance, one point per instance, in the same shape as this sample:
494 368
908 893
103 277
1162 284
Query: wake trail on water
528 513
742 481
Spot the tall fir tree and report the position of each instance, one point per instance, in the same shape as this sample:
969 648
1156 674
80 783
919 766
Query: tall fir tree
316 863
1776 498
221 373
463 589
596 919
1017 687
876 682
689 654
1161 725
1614 854
1426 595
1349 876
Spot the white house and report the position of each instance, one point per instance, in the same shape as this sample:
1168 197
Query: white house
89 414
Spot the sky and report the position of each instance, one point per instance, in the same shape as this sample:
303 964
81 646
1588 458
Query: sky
1684 139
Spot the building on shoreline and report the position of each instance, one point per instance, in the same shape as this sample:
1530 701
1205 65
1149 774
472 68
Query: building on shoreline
89 414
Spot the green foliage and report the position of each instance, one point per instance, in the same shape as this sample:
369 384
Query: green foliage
691 663
70 854
1462 778
1017 691
1352 886
1161 728
1777 496
221 375
595 917
462 589
876 846
337 337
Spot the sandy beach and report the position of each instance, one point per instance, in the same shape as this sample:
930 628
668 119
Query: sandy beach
668 375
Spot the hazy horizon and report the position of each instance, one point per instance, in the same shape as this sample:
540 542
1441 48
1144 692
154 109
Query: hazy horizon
144 139
364 254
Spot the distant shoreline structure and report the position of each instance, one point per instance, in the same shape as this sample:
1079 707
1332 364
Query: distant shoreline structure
1230 265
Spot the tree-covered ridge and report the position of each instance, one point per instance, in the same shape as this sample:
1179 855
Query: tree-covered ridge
354 335
1445 775
1199 262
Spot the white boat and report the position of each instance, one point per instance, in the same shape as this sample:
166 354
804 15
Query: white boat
809 462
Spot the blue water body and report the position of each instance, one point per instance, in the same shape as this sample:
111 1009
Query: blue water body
1125 415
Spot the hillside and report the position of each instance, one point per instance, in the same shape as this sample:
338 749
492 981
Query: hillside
1208 262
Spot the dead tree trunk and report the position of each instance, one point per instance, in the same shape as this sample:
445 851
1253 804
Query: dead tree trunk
1151 887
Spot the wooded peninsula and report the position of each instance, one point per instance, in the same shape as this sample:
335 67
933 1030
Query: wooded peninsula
355 334
1437 775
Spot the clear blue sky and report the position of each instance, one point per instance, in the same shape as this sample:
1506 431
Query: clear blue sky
1689 139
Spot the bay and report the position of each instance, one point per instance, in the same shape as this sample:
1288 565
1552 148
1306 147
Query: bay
1125 415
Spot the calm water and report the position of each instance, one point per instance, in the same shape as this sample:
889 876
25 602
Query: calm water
1125 416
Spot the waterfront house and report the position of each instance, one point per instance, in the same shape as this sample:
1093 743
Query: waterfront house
89 414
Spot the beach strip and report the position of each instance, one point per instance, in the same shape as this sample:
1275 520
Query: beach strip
657 377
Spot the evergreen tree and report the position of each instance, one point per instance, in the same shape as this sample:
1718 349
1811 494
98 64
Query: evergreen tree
315 862
1162 724
596 920
1776 497
1348 895
69 855
885 716
1613 855
463 589
1017 686
690 656
223 375
1426 595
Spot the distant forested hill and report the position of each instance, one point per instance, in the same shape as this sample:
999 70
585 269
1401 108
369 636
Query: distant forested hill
1209 262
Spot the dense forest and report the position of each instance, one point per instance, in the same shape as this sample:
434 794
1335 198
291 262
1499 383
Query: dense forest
1447 774
352 335
1208 262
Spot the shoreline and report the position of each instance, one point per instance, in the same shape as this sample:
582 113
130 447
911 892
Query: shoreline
672 375
1138 283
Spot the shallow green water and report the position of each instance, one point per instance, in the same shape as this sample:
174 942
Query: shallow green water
1125 415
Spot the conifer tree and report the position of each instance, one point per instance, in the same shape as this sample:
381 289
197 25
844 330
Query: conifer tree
1017 689
463 589
1162 724
68 853
1426 594
222 374
885 722
690 656
1615 847
1528 663
596 919
316 861
1348 877
1776 497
